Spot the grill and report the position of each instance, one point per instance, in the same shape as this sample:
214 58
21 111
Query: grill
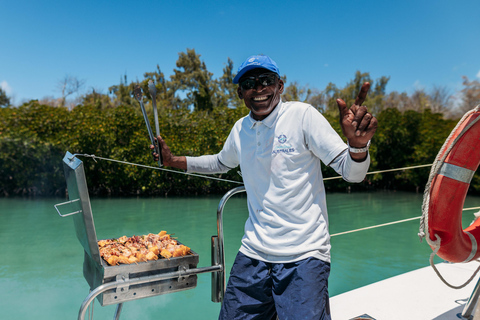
97 275
126 282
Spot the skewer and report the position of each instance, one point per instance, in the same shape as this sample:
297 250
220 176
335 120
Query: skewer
139 96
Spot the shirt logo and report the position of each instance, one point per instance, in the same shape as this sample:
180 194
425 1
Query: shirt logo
283 147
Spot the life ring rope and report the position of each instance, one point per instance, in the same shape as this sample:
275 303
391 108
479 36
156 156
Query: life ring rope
432 255
453 172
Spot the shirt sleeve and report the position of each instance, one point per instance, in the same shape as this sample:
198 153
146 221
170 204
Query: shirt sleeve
349 169
206 164
329 147
221 162
321 139
229 155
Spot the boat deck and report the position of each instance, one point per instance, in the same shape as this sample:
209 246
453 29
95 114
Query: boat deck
415 295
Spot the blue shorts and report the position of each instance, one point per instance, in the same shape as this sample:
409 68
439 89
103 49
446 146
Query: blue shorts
291 291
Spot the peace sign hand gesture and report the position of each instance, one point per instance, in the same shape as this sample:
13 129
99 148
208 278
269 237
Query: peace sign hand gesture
358 125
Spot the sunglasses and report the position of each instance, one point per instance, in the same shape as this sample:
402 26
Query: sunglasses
266 79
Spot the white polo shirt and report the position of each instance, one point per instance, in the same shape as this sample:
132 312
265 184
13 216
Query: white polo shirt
280 162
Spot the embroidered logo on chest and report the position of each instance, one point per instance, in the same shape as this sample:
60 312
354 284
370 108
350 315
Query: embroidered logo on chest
282 146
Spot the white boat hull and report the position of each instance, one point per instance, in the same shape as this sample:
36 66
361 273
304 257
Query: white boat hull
415 295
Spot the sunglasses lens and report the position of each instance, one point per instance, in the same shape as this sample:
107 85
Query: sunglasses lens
267 79
248 83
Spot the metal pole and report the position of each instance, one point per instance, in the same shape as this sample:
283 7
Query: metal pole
472 301
116 316
221 252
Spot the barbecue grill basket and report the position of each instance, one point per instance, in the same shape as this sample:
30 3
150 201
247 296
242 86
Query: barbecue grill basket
121 283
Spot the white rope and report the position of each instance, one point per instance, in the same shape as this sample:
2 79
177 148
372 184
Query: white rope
390 223
388 170
94 157
373 227
439 160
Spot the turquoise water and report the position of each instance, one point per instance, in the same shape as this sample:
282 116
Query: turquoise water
41 258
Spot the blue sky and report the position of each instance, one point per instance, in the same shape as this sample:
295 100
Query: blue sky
418 44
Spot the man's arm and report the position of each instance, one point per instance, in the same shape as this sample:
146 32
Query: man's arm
202 164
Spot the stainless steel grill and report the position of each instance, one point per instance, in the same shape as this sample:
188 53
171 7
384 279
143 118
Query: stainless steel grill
118 284
98 275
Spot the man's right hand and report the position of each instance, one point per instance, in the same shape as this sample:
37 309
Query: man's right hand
168 158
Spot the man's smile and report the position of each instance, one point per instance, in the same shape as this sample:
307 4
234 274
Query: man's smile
260 98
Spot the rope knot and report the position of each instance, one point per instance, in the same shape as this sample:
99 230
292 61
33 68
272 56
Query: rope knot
421 235
435 243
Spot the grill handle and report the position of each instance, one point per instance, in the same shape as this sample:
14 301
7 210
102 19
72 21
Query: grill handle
64 203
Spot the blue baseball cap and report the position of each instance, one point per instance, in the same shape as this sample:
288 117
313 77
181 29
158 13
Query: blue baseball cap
254 62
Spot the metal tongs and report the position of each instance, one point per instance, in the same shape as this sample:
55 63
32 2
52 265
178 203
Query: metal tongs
139 96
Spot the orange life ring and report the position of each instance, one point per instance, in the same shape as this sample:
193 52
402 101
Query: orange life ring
447 195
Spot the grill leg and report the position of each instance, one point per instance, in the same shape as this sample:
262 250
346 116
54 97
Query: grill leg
217 279
116 316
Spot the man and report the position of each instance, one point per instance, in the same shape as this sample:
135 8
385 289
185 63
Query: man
283 264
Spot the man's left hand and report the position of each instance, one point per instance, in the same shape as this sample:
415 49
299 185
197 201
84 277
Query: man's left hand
358 125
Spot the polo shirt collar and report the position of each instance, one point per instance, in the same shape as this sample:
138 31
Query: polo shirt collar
268 121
